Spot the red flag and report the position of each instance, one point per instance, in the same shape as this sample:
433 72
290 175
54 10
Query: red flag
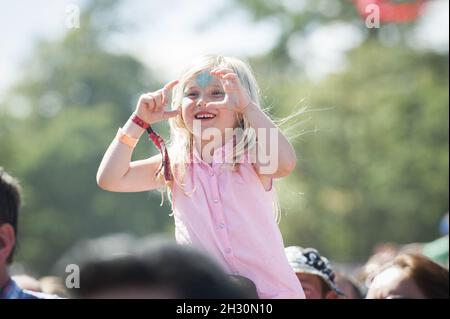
391 11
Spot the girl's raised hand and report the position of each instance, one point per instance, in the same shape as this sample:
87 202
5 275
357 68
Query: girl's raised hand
151 106
236 97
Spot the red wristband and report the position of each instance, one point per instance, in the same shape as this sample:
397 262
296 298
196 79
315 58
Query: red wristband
159 143
138 121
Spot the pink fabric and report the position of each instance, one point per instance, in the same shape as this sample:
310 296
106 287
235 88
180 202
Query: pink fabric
230 216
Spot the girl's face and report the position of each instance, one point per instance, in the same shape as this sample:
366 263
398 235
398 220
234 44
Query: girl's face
198 92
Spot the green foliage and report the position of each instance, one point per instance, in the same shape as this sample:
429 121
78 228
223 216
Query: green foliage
373 146
296 18
377 167
56 161
79 95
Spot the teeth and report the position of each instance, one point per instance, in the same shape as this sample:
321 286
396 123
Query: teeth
204 116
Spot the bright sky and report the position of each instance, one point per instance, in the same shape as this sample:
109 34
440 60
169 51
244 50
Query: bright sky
170 32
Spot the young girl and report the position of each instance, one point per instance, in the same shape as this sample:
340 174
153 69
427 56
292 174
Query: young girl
220 184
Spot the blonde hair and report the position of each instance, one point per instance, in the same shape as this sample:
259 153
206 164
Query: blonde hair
181 139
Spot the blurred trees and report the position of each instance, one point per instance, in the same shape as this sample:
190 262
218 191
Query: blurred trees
373 158
377 168
296 19
55 126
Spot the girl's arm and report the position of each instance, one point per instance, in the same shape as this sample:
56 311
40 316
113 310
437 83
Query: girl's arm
275 154
116 172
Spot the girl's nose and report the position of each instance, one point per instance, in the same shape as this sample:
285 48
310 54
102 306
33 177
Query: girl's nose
201 103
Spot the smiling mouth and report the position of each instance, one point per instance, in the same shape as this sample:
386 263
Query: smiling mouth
204 116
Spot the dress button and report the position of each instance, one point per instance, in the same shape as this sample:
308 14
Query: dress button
228 250
221 225
212 174
215 200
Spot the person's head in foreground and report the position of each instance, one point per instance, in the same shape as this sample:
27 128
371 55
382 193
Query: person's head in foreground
410 276
314 273
10 199
155 269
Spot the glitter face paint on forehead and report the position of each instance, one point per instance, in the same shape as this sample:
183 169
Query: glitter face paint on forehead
204 79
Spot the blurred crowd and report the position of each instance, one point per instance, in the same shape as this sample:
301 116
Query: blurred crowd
121 266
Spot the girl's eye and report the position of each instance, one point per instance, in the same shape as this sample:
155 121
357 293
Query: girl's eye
217 93
191 94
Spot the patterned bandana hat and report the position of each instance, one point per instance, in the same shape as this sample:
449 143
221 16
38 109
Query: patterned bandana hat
308 260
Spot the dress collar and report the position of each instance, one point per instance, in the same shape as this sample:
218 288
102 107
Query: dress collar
219 155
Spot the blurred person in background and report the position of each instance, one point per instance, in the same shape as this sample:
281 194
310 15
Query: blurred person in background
382 254
314 272
153 269
27 282
437 249
10 199
348 286
410 276
54 286
247 286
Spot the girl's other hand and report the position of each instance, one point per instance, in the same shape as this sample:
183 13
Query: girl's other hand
151 106
236 96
